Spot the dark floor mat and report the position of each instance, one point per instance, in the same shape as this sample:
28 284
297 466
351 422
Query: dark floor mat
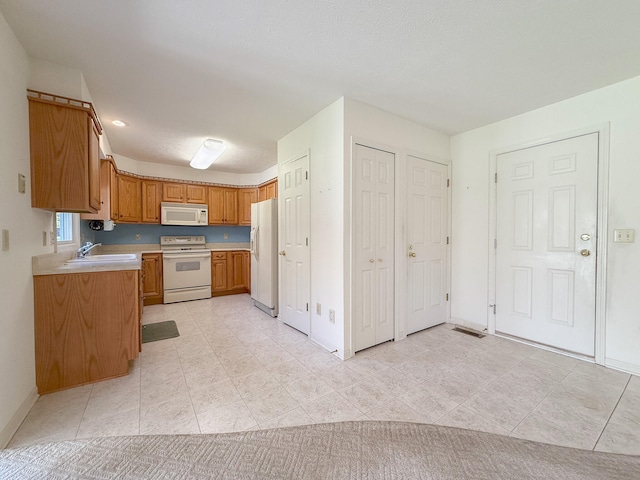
159 331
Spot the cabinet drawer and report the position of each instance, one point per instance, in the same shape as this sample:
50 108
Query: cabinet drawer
219 256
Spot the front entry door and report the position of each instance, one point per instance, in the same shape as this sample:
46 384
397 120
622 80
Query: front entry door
546 243
427 249
295 281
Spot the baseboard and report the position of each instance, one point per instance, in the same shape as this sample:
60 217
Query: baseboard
16 420
623 366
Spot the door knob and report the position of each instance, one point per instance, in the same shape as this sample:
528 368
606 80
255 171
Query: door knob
585 253
412 254
379 259
371 260
283 253
585 236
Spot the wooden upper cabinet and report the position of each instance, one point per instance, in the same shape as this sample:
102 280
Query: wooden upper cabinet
129 199
65 155
268 190
246 196
151 199
223 206
104 212
173 192
196 194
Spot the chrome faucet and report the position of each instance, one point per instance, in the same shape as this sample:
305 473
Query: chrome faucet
86 248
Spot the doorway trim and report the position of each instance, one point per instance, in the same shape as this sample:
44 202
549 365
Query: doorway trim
602 230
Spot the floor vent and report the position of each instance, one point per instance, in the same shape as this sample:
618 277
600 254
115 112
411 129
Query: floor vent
469 331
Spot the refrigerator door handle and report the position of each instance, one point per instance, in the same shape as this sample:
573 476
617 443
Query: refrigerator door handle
254 241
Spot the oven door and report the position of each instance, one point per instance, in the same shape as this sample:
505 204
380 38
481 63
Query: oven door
186 270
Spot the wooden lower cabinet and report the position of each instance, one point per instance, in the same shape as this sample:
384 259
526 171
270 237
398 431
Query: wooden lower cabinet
229 272
87 327
152 276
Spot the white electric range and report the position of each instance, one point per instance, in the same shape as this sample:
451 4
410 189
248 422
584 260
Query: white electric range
186 265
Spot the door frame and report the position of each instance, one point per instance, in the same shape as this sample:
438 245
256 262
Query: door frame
601 230
403 263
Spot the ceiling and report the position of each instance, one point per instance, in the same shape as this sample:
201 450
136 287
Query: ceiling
249 71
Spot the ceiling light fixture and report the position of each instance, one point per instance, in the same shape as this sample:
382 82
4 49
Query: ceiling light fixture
207 153
119 123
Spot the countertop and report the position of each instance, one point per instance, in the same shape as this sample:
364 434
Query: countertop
56 263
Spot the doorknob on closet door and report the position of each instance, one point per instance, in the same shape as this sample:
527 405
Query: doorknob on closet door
283 253
585 253
412 254
379 259
371 260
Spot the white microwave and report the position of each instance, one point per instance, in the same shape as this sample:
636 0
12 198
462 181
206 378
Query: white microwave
183 214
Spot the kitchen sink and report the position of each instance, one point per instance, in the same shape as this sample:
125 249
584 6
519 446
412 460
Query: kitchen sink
108 258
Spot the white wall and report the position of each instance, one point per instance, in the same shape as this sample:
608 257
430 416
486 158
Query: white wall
25 225
322 135
617 104
187 173
327 136
377 128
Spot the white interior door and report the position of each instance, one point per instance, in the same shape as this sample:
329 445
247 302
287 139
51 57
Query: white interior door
295 281
373 245
427 249
546 243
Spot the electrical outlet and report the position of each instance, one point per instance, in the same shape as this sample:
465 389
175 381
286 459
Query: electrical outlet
318 309
22 183
332 316
226 236
137 236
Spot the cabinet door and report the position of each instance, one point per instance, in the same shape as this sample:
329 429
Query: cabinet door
152 271
262 193
219 280
113 193
173 192
151 198
104 212
129 199
246 258
230 206
272 190
216 205
246 196
235 270
196 194
94 165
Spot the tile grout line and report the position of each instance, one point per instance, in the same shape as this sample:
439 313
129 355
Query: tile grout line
612 412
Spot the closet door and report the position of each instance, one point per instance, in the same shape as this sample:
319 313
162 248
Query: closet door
373 247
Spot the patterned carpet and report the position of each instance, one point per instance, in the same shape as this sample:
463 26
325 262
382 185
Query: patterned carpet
349 450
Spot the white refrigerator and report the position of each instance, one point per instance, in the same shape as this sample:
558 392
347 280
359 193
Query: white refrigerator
264 255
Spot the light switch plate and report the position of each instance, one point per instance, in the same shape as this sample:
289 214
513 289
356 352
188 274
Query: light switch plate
626 235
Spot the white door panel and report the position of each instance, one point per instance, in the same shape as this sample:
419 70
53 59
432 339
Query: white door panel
427 250
293 186
373 247
546 200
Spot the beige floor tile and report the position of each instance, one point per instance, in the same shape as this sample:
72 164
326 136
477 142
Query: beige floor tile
340 377
230 418
105 403
364 365
393 381
124 422
554 359
256 383
168 418
462 417
290 419
270 404
288 372
308 388
332 407
397 411
366 396
601 374
205 397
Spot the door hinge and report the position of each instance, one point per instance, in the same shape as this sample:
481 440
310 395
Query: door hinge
307 241
307 307
448 182
447 240
495 243
447 297
306 175
494 308
495 178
